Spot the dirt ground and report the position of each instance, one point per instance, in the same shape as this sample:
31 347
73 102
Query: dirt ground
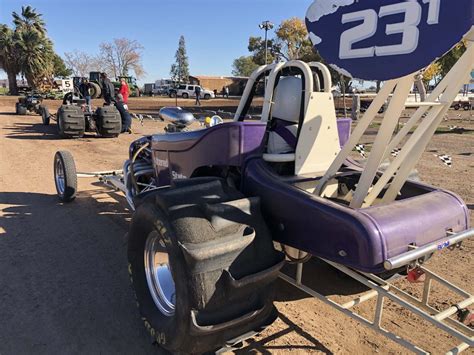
64 286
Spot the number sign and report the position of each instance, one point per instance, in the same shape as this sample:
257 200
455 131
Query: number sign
386 39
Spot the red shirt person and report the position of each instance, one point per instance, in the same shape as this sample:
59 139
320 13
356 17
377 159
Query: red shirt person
124 90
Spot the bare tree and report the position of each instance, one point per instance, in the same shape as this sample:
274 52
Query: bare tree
122 56
82 63
79 62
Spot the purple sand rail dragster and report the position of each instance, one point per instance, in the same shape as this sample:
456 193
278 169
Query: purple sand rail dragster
203 186
218 211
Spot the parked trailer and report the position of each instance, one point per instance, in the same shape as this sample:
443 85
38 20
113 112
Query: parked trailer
210 205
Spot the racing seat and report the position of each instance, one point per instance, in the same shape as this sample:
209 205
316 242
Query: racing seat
284 125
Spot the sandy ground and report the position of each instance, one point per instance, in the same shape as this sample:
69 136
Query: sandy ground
64 286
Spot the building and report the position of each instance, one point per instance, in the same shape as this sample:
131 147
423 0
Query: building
236 84
19 83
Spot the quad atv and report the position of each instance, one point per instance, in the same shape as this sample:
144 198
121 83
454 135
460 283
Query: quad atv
217 211
29 103
74 118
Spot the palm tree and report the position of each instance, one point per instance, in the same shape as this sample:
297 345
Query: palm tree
36 56
9 57
29 20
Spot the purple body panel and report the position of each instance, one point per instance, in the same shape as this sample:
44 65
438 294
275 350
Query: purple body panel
360 238
178 155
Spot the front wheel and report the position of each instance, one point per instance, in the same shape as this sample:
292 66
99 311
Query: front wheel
185 96
20 109
45 116
65 176
207 97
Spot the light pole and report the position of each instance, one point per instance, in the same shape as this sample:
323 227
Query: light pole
267 26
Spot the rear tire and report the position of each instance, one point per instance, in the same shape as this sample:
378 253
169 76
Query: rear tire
201 279
109 122
185 96
71 121
45 115
65 176
95 90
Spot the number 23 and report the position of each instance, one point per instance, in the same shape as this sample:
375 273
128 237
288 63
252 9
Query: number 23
408 28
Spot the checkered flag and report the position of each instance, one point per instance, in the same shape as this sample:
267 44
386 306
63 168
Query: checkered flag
446 159
361 149
395 152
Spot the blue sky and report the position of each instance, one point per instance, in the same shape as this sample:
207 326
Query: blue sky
216 31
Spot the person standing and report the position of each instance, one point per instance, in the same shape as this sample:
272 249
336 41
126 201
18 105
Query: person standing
108 90
84 91
197 92
124 90
124 114
226 92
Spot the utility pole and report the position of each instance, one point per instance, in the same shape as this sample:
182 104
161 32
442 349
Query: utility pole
267 26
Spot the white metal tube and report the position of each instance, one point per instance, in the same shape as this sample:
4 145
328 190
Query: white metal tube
269 85
401 302
406 258
406 153
462 70
445 283
381 141
358 132
453 309
248 88
326 75
353 315
438 90
364 298
458 349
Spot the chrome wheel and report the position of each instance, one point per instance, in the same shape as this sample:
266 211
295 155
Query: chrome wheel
158 275
59 176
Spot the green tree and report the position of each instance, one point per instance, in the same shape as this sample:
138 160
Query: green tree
36 56
59 67
180 69
292 42
26 49
449 59
292 37
257 48
29 20
244 66
9 59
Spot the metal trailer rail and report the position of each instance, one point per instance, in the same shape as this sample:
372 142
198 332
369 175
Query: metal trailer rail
381 290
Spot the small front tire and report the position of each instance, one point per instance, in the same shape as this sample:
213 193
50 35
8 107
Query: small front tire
45 115
20 109
65 176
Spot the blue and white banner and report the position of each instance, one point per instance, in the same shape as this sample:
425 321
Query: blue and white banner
386 39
